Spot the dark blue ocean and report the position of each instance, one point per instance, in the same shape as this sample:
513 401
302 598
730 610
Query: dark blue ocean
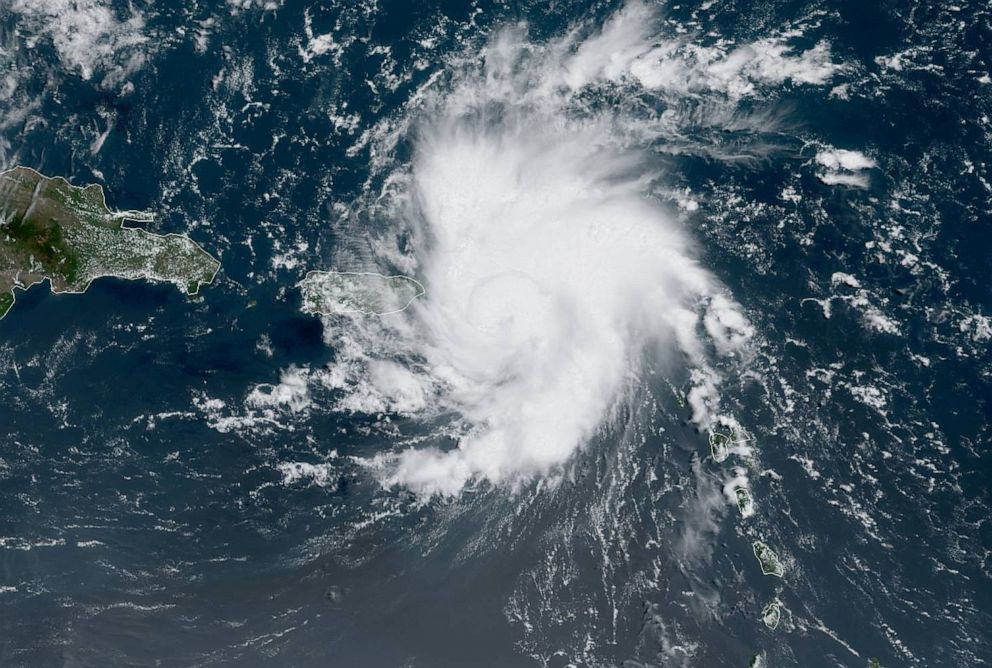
158 507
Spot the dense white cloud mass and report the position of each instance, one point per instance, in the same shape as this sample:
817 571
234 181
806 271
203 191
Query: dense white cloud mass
549 267
547 271
844 167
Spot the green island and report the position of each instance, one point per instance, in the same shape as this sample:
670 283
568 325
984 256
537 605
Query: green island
771 615
367 293
51 230
719 446
722 445
745 502
769 561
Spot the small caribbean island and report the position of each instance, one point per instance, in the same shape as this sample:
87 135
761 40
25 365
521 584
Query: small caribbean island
51 230
366 293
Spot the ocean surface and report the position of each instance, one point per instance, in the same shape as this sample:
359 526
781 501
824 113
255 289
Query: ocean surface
646 231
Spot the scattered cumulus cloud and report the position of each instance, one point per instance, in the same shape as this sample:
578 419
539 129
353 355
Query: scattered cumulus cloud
89 36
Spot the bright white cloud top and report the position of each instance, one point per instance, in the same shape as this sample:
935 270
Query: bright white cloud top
550 267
